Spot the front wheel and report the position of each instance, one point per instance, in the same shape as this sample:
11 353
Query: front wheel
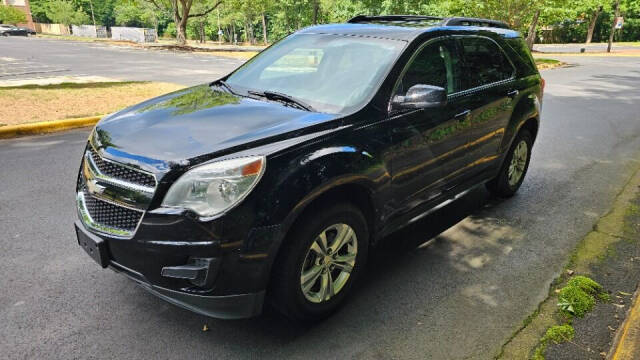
321 260
514 168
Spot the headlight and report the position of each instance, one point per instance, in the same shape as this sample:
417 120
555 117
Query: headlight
214 188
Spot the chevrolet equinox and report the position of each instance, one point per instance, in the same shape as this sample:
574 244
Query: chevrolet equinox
272 183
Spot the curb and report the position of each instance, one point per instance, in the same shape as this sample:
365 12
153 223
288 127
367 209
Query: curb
625 342
12 131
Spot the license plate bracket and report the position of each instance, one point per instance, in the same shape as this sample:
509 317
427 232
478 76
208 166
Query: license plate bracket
93 246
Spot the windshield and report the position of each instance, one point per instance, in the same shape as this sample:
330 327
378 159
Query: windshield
331 73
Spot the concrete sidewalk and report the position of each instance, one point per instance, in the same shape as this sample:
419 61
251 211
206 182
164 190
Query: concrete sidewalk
589 48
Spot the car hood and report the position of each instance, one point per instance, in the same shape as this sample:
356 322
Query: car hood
197 122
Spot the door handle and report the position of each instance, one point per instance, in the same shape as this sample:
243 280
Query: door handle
463 115
513 93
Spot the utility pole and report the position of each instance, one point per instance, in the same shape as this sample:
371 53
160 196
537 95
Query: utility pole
613 25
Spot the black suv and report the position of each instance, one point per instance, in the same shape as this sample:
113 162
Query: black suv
277 179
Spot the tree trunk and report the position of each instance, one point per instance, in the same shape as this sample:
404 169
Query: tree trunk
202 37
316 9
233 33
181 32
613 26
592 24
264 28
531 36
227 31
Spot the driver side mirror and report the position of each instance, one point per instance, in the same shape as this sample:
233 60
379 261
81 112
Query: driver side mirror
421 97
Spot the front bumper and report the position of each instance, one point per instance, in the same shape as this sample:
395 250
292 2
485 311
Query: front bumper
221 307
240 282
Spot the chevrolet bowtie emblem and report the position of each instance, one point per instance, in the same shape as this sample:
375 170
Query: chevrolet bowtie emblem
94 188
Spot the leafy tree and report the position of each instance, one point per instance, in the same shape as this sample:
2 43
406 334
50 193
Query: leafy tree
11 15
39 11
137 15
63 12
104 11
181 12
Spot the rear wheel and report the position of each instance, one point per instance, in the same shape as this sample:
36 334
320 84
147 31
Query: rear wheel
320 261
514 169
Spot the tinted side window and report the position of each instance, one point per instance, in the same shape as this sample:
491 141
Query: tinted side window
520 47
436 64
485 63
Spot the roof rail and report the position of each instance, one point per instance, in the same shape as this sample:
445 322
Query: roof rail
448 21
465 21
391 18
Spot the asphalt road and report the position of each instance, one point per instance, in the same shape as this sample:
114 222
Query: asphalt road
31 58
483 268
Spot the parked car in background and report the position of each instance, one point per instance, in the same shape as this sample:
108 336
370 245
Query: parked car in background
11 30
274 181
29 31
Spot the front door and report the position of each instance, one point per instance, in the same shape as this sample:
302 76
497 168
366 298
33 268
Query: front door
428 143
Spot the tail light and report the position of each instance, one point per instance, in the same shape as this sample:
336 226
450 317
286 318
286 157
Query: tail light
544 82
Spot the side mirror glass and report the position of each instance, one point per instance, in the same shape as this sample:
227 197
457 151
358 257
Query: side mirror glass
421 97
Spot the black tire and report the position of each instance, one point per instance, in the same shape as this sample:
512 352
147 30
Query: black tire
286 291
500 185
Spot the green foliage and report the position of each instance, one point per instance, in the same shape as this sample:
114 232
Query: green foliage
557 334
579 296
137 15
244 18
575 301
11 15
585 284
604 297
64 12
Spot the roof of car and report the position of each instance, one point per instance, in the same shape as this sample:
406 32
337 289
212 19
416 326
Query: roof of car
407 27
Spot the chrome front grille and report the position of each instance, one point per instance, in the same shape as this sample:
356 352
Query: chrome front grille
121 172
110 215
112 197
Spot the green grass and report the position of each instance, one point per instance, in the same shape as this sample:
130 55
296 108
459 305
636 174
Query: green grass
547 61
558 334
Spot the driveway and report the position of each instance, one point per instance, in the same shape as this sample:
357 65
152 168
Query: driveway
455 285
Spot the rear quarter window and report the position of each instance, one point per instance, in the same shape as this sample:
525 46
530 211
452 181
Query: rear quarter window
523 59
485 62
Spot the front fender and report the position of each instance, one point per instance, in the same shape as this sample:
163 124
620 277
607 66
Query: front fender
313 173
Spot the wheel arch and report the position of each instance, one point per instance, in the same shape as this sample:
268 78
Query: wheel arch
355 193
526 115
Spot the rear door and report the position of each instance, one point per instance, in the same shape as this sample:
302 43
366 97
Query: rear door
490 92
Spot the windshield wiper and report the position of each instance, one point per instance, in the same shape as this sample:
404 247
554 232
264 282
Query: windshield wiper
224 85
278 96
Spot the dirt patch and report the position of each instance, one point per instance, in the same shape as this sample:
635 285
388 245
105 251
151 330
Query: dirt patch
236 54
545 64
32 103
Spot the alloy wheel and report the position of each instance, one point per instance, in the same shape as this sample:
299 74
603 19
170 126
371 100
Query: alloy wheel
328 263
518 163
